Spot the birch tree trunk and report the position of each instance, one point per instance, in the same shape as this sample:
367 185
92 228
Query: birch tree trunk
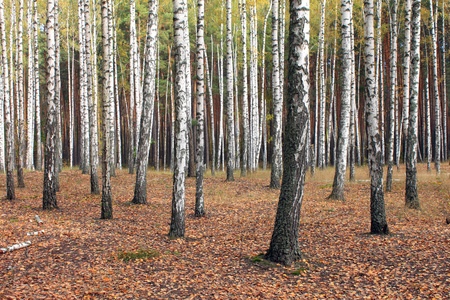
406 70
20 100
437 105
275 174
199 201
49 200
411 195
84 109
428 109
58 145
211 106
322 90
230 100
237 130
92 113
9 134
140 190
177 224
444 79
379 77
131 145
107 101
2 123
377 207
343 136
284 246
263 96
116 96
31 93
393 79
245 121
38 162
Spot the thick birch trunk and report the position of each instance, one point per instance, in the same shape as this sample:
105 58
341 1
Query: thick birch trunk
343 136
411 196
406 70
9 134
177 225
377 207
284 246
199 202
49 191
140 191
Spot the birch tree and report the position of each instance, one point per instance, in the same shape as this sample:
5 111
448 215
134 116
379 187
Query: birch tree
377 208
437 105
133 88
106 206
322 90
177 224
140 190
49 200
343 135
230 100
393 94
411 196
263 96
8 119
284 246
199 201
211 106
2 123
20 100
444 79
245 121
406 70
31 90
275 174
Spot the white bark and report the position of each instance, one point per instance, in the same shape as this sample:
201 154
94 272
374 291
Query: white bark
2 123
177 225
322 89
437 105
230 100
444 79
263 96
20 100
31 94
277 102
245 120
132 140
211 106
406 70
37 89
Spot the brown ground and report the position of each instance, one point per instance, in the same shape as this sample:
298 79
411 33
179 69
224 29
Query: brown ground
77 258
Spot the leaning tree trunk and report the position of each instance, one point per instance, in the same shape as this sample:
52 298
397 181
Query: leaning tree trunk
437 106
107 101
177 224
230 100
20 100
140 190
199 203
377 207
49 190
393 78
9 134
275 174
411 196
284 246
343 136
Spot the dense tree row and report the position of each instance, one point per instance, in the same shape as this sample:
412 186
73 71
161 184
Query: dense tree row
188 85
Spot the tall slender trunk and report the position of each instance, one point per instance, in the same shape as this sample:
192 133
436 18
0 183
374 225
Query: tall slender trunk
379 78
131 144
406 70
322 89
444 92
199 202
275 175
428 109
263 96
245 121
437 105
107 101
230 100
20 100
71 106
411 196
31 90
236 105
9 134
58 144
84 110
116 96
343 136
38 163
140 191
211 106
393 95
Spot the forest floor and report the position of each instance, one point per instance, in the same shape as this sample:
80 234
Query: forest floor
131 256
